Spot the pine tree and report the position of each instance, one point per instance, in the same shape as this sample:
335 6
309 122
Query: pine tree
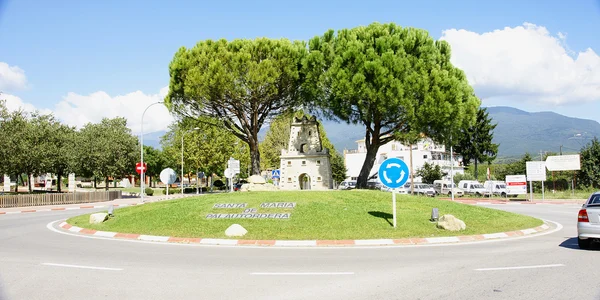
475 143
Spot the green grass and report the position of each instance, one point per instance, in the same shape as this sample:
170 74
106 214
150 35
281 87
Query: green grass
318 215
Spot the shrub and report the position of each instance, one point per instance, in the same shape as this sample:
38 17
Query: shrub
149 191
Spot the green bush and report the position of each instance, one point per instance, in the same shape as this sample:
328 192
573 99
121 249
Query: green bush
149 191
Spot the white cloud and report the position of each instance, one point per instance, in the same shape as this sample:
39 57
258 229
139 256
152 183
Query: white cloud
11 78
14 103
527 63
78 110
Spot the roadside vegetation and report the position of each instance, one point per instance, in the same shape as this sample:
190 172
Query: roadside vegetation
355 214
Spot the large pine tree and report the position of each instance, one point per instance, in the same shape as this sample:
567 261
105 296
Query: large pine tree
475 142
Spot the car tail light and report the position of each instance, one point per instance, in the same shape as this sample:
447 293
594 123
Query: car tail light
582 216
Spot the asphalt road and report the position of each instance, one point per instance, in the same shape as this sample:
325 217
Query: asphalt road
37 263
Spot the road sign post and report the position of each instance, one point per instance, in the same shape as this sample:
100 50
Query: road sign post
393 173
536 171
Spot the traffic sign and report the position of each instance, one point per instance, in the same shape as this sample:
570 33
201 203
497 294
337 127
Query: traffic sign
168 176
201 175
393 173
275 174
536 170
139 168
229 173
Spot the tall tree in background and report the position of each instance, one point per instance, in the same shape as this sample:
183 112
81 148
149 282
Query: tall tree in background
390 79
590 164
242 83
278 137
107 149
55 145
475 142
16 136
155 160
206 149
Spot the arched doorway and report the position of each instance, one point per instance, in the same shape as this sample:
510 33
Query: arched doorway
304 180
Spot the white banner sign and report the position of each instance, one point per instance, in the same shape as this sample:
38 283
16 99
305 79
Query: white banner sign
72 182
536 170
6 183
234 165
563 163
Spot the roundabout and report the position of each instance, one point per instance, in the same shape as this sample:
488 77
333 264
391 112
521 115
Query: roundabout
38 263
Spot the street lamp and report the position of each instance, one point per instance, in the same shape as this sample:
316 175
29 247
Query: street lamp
182 135
143 171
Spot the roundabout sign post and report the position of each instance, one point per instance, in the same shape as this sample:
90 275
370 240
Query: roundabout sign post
393 173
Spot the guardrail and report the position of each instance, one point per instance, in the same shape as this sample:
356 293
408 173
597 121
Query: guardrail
56 198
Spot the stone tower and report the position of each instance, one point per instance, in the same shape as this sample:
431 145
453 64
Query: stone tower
305 163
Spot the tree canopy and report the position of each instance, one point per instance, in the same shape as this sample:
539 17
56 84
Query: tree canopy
107 149
391 80
242 83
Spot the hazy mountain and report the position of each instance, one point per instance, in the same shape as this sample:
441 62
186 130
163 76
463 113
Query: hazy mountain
517 132
520 131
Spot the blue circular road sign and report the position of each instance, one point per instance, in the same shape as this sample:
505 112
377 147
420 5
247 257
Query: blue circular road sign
393 173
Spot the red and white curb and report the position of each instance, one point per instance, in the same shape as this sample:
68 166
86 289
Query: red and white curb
23 211
307 243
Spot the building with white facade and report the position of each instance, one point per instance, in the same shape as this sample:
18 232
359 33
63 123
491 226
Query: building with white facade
425 151
305 164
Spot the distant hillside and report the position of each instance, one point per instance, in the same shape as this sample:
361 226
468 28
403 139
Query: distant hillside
520 131
517 132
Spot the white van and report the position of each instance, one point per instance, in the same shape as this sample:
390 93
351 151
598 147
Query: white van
496 187
516 185
473 187
444 187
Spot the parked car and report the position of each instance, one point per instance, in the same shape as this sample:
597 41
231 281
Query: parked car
443 187
588 221
400 190
421 189
496 187
374 185
347 185
473 187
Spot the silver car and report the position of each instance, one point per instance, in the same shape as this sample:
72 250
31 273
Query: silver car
588 221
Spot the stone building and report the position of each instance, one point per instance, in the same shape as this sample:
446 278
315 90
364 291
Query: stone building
305 164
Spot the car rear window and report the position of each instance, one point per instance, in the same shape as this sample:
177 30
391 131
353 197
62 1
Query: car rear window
595 200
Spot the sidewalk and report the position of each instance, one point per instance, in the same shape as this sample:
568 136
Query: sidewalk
122 202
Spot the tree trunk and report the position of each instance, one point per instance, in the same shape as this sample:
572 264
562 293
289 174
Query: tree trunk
254 155
475 170
363 176
106 183
17 183
30 183
58 181
95 183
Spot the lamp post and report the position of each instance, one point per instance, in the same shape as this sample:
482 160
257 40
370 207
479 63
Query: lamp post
143 171
182 135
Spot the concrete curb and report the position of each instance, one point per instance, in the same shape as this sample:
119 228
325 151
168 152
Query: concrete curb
306 243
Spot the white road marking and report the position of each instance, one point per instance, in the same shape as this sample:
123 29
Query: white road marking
82 267
521 267
301 273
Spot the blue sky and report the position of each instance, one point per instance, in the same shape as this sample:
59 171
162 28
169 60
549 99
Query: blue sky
82 51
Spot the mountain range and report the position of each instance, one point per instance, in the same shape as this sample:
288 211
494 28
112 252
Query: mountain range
517 132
